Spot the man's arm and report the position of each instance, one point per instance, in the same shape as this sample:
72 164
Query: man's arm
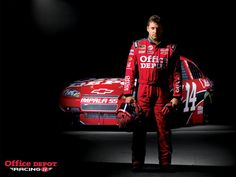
177 79
130 73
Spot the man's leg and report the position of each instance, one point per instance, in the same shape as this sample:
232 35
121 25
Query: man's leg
139 132
164 139
138 146
163 130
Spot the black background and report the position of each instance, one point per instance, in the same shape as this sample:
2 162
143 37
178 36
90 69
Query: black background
45 46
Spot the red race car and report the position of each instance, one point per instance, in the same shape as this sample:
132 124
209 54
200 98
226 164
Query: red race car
96 101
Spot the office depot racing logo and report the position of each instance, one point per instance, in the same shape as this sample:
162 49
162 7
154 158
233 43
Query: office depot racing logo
27 166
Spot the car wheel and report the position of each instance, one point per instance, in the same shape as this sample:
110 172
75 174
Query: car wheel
207 107
75 121
69 121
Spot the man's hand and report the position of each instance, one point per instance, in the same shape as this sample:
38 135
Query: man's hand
167 109
129 99
174 102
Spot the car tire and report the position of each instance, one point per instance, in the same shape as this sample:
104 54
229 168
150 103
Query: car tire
207 107
75 121
69 121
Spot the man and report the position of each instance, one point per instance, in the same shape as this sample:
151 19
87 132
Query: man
157 66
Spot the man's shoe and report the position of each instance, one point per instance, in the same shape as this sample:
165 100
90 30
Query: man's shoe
137 166
167 168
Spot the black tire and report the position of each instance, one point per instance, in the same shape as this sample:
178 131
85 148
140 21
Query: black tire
69 121
208 108
75 122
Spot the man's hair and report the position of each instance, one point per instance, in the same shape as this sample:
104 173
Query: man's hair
154 18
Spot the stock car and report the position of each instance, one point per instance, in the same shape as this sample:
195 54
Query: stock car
95 101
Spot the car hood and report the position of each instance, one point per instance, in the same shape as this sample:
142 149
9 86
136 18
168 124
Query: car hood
99 87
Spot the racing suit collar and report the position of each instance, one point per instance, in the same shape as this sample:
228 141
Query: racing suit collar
151 41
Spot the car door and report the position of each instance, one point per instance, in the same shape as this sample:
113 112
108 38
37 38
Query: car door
194 87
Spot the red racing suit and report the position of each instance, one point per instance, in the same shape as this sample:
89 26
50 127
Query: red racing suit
158 70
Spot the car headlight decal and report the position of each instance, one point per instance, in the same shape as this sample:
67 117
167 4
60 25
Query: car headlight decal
71 92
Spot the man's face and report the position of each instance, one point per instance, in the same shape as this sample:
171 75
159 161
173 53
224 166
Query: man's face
154 31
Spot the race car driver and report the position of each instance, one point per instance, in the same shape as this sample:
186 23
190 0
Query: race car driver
157 66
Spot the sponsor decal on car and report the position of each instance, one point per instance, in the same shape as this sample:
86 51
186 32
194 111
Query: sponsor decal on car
200 110
72 93
204 82
99 100
102 91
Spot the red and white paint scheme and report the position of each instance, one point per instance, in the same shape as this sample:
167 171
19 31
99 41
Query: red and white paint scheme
96 101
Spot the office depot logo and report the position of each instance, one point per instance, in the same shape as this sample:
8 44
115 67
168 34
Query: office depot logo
27 166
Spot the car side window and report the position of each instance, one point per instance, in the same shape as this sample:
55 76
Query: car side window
184 73
195 71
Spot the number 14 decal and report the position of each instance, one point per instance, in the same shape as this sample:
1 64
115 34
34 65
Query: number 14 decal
190 97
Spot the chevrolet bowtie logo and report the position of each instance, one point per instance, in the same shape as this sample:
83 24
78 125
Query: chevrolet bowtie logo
102 91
